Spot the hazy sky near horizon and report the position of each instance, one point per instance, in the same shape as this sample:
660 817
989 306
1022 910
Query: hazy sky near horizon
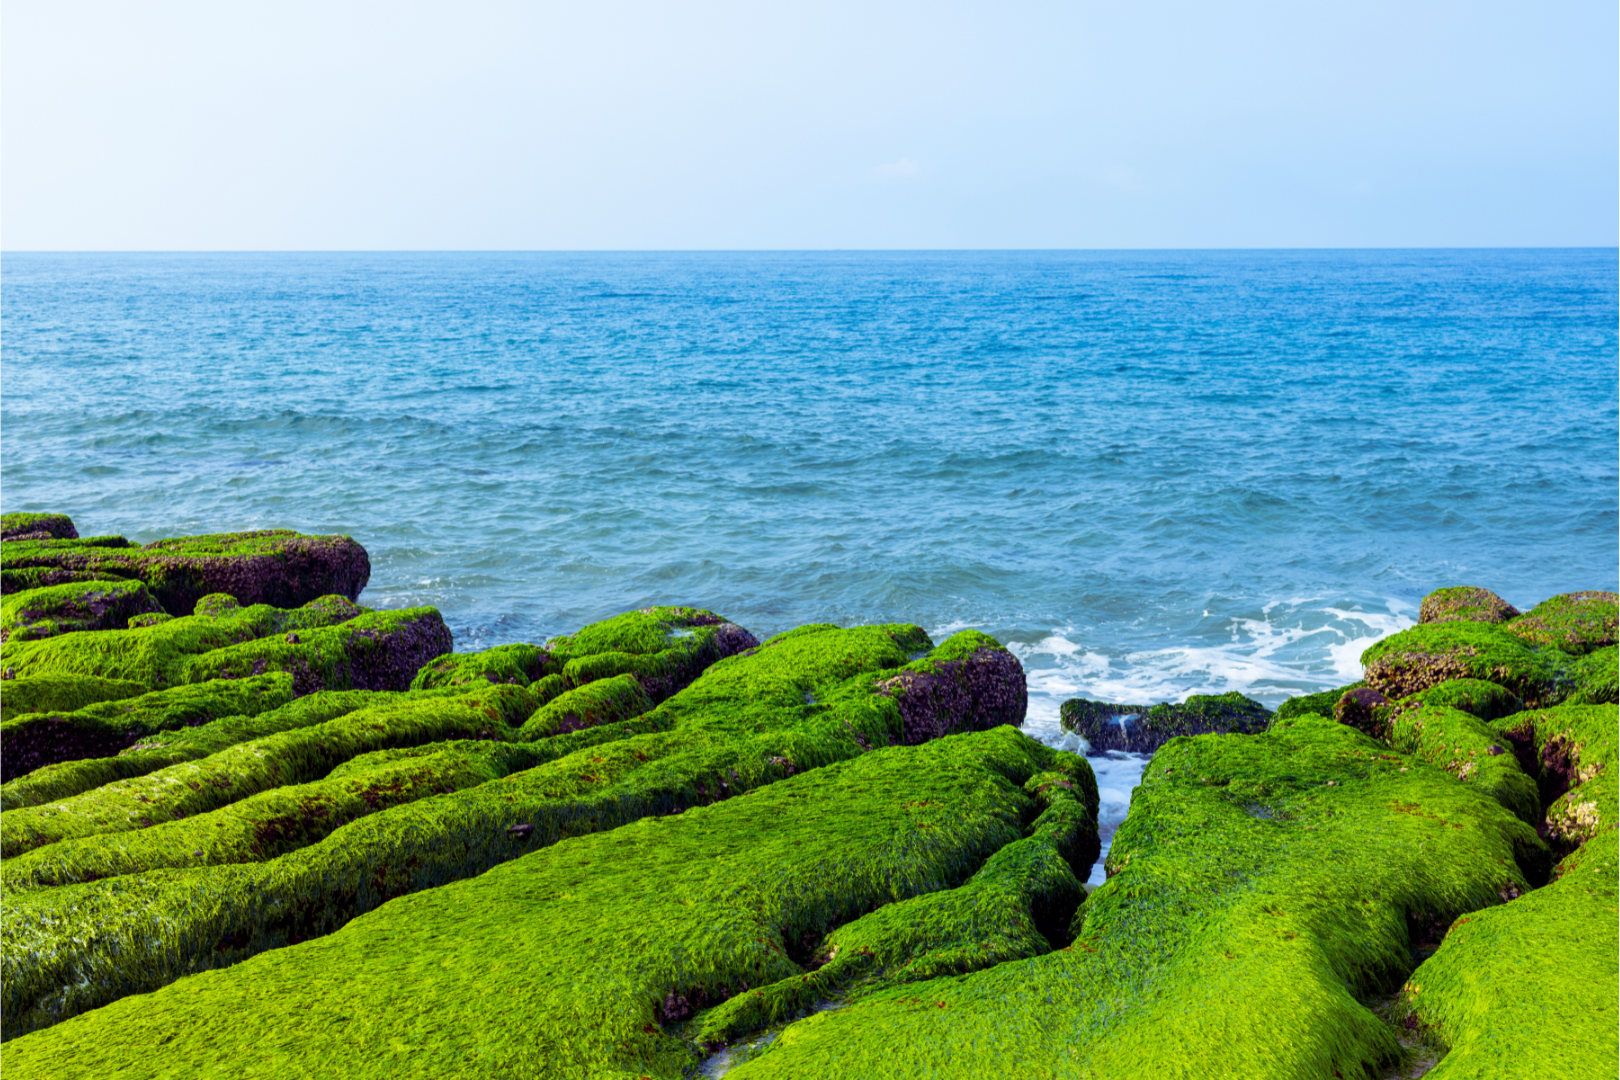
482 124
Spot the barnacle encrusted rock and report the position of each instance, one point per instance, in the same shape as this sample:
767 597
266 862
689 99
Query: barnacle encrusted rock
63 609
270 566
1576 622
1465 603
1423 656
1142 729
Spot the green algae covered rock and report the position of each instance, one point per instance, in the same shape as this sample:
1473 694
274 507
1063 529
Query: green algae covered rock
604 701
1597 678
799 702
1261 889
1142 729
519 664
1321 702
1486 700
605 944
1529 987
171 746
1426 655
665 648
1468 748
158 655
37 527
38 739
377 650
61 693
1576 622
84 605
1465 603
272 792
271 566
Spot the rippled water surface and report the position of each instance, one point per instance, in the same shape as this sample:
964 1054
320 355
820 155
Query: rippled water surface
1149 473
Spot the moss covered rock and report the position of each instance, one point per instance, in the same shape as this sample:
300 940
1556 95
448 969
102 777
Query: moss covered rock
693 909
171 746
1321 702
665 648
1142 729
1427 655
1262 888
272 566
61 693
377 650
518 664
1576 622
37 527
800 701
62 609
1529 987
1465 603
158 655
169 811
38 739
1597 678
604 701
1485 700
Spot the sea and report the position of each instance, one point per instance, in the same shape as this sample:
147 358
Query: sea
1150 474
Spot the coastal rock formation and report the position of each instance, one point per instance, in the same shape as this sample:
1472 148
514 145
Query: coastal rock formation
294 861
37 527
1576 622
270 566
1465 603
1142 729
85 605
1429 654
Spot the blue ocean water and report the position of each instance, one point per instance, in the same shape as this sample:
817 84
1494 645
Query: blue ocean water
1150 473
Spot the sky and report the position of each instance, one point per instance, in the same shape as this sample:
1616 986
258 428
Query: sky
477 124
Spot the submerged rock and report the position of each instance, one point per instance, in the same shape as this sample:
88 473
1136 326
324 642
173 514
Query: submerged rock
1142 729
271 566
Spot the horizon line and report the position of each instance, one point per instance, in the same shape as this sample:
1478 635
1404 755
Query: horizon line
790 250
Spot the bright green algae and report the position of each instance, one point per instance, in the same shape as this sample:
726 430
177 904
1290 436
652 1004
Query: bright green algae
158 656
55 525
605 701
803 700
64 609
580 960
520 664
61 693
185 790
65 779
1576 622
1468 748
1597 678
1464 603
1531 985
1260 892
1426 655
36 740
1320 703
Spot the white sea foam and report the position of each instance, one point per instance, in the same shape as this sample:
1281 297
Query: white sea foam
1288 647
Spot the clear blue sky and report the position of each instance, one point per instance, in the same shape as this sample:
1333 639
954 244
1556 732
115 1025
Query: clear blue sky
481 124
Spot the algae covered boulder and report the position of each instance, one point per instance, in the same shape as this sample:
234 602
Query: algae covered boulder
1321 702
1142 729
665 648
1465 603
519 664
271 566
798 702
1262 889
1486 700
61 693
1576 622
37 527
37 739
1529 988
643 928
84 605
158 655
376 650
1597 678
1426 655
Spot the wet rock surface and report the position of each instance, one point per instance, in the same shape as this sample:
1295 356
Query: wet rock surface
1142 729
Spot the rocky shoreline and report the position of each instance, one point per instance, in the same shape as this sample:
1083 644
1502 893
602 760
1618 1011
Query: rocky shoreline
626 849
